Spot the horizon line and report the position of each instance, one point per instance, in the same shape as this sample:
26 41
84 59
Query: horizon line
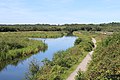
57 23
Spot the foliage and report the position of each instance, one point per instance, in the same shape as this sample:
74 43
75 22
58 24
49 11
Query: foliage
62 62
12 47
109 27
77 41
16 44
106 64
34 34
33 69
80 76
84 41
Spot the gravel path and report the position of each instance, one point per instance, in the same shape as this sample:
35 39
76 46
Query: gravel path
83 65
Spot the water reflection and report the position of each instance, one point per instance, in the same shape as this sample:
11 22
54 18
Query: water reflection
15 62
16 69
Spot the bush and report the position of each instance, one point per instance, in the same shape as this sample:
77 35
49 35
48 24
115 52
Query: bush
77 41
33 70
88 47
80 76
106 60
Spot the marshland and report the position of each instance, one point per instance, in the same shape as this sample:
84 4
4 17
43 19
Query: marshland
53 52
59 39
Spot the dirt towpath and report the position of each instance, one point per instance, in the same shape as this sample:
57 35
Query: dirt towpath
83 65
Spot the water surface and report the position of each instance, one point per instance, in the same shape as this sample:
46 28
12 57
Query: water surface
16 70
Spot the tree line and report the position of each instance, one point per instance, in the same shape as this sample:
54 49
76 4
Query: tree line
111 27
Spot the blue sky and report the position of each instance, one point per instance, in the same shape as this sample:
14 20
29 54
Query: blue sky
59 11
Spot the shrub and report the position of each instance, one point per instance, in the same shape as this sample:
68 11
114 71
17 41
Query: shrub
80 76
33 70
106 64
77 41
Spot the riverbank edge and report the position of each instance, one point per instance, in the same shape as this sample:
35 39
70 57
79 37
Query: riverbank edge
23 52
34 48
68 71
81 65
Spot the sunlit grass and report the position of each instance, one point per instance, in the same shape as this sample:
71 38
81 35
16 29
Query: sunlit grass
16 44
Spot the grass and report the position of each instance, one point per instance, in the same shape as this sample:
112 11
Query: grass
16 44
12 47
36 34
105 62
106 66
14 62
63 62
65 76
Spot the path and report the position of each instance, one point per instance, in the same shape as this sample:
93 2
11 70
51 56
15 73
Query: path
83 65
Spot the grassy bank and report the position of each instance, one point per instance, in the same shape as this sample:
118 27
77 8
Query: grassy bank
34 34
16 44
105 64
63 62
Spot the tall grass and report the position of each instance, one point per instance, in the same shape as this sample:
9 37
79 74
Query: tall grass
36 34
63 62
12 47
106 60
16 44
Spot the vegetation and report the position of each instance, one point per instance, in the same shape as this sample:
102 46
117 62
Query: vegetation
15 62
109 27
78 41
11 47
16 44
105 64
16 49
108 64
63 62
34 34
80 76
34 67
